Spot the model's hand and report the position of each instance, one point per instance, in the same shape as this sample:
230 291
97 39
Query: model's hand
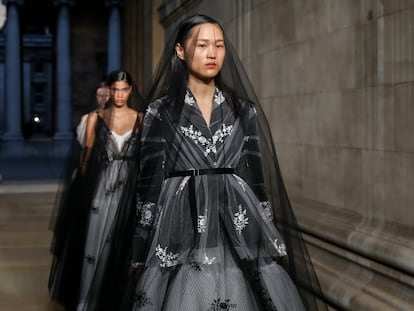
138 271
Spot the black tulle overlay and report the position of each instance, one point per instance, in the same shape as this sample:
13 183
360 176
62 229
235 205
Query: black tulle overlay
207 222
94 226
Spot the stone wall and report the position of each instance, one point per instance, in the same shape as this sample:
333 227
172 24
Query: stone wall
336 79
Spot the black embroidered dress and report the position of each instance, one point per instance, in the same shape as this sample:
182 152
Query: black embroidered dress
206 234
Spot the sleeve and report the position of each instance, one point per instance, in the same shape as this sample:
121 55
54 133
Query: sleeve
89 141
250 168
81 129
150 180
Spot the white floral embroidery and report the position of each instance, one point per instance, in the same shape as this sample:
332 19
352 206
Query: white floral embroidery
241 182
182 184
189 99
201 223
208 261
267 212
219 97
153 111
167 259
280 247
145 213
240 220
208 144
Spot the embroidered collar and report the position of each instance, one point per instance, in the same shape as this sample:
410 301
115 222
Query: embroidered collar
218 98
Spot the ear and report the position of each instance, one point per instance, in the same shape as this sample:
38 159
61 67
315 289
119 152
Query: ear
179 50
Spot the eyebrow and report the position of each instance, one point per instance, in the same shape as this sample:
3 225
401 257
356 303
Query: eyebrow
207 40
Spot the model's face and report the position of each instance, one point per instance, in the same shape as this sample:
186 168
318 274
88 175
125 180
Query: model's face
102 96
120 92
203 51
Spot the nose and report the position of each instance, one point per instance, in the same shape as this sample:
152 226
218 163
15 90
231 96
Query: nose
212 52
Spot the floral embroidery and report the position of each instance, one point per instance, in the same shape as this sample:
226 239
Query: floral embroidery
208 261
145 213
208 144
141 299
219 305
90 259
182 184
280 247
195 266
241 182
219 97
167 259
267 212
257 279
189 99
201 224
240 220
153 111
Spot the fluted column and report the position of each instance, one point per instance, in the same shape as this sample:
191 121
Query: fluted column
114 34
63 71
13 74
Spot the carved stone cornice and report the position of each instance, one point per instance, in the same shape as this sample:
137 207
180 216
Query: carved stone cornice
111 3
15 2
64 2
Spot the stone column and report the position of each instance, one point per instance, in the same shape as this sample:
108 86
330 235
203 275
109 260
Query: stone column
13 74
63 71
114 35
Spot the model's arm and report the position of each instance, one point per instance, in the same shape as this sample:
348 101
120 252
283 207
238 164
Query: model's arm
151 177
90 135
250 168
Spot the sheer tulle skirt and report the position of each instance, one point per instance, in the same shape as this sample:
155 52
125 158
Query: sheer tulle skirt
217 287
220 253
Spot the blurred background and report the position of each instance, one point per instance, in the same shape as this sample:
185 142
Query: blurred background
335 78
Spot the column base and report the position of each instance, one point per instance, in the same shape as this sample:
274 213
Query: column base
63 136
11 137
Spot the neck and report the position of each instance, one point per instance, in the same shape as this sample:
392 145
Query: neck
119 109
201 88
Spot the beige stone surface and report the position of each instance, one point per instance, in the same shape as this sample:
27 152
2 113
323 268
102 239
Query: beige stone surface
24 246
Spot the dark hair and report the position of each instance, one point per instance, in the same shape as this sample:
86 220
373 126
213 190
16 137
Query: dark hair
172 72
100 85
119 75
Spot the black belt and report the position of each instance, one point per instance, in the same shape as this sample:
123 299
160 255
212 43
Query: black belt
204 171
192 194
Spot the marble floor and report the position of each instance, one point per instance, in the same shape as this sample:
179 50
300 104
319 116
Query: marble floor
25 211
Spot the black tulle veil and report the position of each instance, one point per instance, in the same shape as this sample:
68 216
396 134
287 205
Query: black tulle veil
72 212
170 80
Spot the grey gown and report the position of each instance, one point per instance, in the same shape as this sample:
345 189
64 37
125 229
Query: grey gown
116 155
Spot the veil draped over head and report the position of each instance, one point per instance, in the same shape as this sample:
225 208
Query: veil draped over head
170 80
109 180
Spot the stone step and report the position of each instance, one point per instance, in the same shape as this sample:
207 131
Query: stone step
24 257
24 288
24 223
25 215
25 238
